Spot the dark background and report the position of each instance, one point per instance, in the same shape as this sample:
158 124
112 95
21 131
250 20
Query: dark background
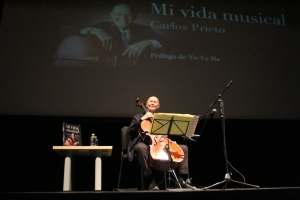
262 104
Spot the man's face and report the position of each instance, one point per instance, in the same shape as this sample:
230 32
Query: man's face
122 16
152 104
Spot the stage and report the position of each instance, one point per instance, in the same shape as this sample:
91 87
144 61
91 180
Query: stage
249 193
264 151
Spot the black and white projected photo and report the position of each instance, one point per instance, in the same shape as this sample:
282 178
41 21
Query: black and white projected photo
95 57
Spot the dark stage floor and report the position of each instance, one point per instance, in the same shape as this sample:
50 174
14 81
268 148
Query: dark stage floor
251 193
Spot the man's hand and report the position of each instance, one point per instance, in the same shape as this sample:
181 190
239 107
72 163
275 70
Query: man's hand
106 39
136 49
148 115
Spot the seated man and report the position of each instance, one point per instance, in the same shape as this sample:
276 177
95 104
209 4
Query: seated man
141 148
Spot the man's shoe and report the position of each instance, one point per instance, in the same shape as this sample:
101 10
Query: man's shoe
183 184
153 186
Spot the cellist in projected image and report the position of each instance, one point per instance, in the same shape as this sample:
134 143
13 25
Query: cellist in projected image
139 146
122 32
114 43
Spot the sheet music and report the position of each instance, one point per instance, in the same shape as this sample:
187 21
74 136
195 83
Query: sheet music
174 124
193 126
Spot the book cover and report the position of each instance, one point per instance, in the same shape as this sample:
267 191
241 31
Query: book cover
71 134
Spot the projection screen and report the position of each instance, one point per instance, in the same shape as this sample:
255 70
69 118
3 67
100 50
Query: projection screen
184 52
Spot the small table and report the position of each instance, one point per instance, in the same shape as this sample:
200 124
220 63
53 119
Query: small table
70 151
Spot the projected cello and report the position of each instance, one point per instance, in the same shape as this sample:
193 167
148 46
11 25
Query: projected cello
88 51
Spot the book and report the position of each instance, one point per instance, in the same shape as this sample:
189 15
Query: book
71 134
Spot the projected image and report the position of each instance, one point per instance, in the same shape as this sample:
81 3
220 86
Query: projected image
121 42
135 34
93 57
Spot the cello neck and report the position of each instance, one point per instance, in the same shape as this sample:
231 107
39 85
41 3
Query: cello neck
146 110
142 105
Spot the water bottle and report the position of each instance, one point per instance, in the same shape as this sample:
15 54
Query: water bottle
96 141
93 140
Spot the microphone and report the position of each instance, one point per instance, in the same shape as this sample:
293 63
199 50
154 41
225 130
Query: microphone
212 113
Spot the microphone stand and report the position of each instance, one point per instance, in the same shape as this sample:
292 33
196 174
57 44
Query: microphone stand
227 175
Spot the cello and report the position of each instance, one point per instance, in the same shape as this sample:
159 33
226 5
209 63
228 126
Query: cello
165 154
88 51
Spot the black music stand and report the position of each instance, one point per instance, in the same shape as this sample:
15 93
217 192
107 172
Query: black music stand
175 125
227 175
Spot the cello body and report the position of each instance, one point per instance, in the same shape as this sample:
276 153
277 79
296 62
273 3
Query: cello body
88 51
165 154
